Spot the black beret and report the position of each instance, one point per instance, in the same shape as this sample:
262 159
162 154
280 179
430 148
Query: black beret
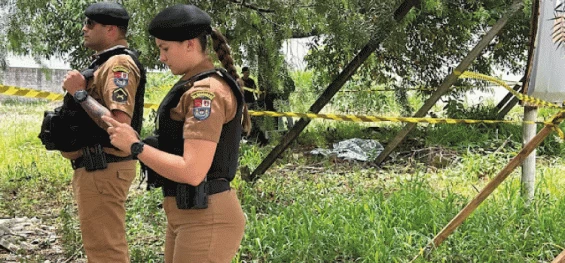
180 22
107 13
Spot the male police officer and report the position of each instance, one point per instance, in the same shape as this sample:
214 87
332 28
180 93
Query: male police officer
114 87
249 83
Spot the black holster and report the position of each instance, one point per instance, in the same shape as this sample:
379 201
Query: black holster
192 197
187 196
94 159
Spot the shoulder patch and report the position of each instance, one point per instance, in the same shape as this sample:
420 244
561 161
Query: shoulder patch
121 76
202 104
119 95
120 68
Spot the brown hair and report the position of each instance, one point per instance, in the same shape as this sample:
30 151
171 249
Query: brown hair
220 45
123 31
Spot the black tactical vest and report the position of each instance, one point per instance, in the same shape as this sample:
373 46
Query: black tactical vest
69 128
170 132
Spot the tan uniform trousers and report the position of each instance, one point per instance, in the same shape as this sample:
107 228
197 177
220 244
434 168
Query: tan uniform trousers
204 235
101 197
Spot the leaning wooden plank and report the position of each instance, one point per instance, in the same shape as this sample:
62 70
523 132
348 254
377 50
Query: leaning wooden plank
560 258
494 183
331 90
451 79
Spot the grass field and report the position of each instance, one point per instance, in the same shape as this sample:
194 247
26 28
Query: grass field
313 209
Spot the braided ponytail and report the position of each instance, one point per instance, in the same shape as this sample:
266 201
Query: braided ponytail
220 45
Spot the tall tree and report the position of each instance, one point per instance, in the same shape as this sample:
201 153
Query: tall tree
430 41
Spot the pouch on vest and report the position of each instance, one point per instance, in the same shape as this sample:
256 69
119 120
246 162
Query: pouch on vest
154 180
59 129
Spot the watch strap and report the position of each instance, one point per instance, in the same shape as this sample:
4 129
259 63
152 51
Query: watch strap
136 149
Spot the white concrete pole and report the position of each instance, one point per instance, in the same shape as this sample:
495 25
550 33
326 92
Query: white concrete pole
529 164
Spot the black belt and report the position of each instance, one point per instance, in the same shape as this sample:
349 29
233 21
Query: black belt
80 162
214 186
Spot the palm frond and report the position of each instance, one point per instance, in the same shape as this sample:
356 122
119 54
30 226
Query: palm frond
560 8
558 30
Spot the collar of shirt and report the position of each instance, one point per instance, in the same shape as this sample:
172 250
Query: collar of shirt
204 65
95 56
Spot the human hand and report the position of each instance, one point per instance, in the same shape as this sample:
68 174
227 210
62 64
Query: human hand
122 136
73 82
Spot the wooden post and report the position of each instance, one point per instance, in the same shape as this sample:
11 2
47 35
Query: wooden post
529 165
507 108
509 101
450 79
493 184
518 88
331 90
560 258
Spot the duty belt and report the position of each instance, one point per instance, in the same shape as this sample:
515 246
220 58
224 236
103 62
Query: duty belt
214 186
96 160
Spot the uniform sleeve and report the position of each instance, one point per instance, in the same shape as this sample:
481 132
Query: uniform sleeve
121 78
205 108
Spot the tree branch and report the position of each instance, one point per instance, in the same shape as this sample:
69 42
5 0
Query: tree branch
302 34
263 10
250 6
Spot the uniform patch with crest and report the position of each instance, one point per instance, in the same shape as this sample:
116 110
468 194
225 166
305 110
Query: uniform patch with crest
121 76
202 104
119 95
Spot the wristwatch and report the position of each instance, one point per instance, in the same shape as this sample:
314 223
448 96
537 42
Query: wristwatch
80 96
136 148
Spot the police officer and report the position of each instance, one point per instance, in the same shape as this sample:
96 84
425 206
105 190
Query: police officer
113 87
248 82
199 127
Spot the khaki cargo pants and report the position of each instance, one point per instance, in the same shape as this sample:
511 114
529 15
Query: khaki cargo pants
101 197
204 235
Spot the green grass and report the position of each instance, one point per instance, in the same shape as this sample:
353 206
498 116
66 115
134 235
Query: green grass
311 209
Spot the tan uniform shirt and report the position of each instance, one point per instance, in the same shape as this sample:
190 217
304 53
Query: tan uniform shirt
114 86
205 107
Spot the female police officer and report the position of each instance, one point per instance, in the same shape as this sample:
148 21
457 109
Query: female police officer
199 127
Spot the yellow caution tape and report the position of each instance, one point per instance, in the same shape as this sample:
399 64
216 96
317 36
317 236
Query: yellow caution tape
253 90
16 91
520 96
30 93
365 118
151 106
388 89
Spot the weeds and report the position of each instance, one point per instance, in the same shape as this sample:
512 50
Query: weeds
311 209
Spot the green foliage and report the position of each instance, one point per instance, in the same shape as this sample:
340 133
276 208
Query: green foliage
418 51
458 110
553 144
158 84
146 225
313 209
71 237
251 155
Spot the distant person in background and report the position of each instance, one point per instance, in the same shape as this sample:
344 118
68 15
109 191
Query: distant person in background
249 95
255 101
